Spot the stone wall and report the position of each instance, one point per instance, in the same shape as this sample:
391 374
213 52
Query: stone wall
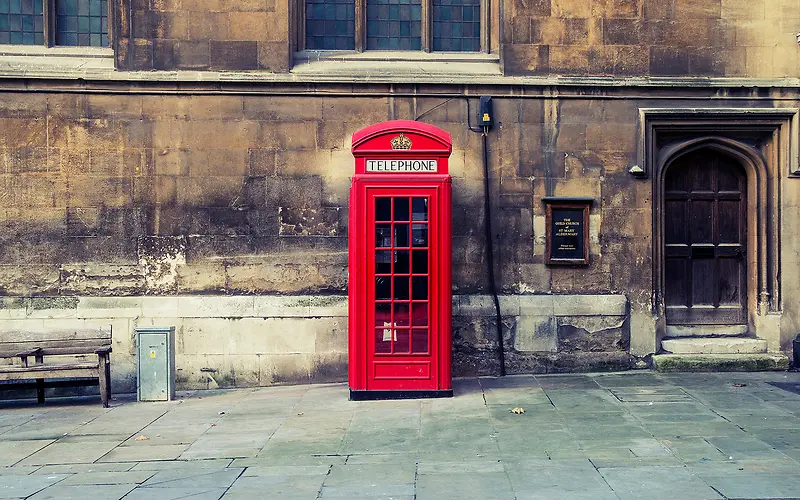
244 341
619 38
623 38
240 197
202 35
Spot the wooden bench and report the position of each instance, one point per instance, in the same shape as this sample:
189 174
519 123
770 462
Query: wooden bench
58 354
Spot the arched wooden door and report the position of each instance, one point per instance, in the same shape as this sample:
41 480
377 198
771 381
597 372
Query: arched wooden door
705 235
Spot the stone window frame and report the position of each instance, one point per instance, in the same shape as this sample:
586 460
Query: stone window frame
356 61
49 26
765 141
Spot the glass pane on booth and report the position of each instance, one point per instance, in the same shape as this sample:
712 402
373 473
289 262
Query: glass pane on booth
401 314
383 288
420 285
383 341
401 209
401 262
419 314
419 341
419 234
383 262
419 209
401 235
383 209
401 288
401 341
419 264
383 235
383 314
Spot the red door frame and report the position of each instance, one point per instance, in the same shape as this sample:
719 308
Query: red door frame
419 141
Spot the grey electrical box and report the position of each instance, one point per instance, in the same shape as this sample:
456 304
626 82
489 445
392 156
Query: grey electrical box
155 365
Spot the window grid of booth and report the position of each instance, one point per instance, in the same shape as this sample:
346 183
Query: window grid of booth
76 23
438 25
402 271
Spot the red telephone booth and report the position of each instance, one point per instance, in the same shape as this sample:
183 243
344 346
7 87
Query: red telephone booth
399 291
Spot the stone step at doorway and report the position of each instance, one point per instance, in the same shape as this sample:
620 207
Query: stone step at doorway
713 345
720 362
706 330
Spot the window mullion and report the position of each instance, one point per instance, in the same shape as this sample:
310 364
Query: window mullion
49 13
426 27
485 20
361 25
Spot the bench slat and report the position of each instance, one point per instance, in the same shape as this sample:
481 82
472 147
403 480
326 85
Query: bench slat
46 367
48 334
88 348
70 371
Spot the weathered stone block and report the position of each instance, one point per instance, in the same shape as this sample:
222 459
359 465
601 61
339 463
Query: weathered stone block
108 307
101 279
535 333
238 55
216 306
590 305
592 333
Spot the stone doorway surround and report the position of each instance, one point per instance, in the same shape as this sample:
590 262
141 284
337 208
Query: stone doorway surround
765 142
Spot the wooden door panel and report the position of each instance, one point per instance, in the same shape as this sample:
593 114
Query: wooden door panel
703 286
729 222
675 211
704 240
701 221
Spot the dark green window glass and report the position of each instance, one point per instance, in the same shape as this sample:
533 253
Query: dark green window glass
21 22
330 24
456 25
82 23
394 24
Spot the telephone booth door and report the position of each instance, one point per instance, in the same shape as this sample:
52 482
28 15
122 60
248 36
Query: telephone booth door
400 353
400 300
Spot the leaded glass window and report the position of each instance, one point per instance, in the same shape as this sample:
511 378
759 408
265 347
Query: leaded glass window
22 22
456 25
82 22
429 25
330 24
74 22
394 24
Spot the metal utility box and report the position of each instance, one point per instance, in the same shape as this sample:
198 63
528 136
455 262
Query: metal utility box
155 365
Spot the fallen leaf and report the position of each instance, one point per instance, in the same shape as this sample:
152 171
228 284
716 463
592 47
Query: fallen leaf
142 438
517 411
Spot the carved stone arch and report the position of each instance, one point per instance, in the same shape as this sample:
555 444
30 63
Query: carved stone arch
762 234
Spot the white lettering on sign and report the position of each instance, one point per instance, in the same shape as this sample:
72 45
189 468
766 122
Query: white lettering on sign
401 166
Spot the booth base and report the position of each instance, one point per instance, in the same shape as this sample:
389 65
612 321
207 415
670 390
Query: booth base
375 395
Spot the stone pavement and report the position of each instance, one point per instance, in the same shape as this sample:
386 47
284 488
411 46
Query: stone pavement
583 436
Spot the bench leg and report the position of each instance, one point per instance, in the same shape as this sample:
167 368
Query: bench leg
105 380
40 390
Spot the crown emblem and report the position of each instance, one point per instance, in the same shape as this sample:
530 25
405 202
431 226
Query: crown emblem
401 142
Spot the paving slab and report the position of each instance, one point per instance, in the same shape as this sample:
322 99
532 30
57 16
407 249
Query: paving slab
19 486
82 492
138 453
176 493
657 483
70 453
12 452
593 436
